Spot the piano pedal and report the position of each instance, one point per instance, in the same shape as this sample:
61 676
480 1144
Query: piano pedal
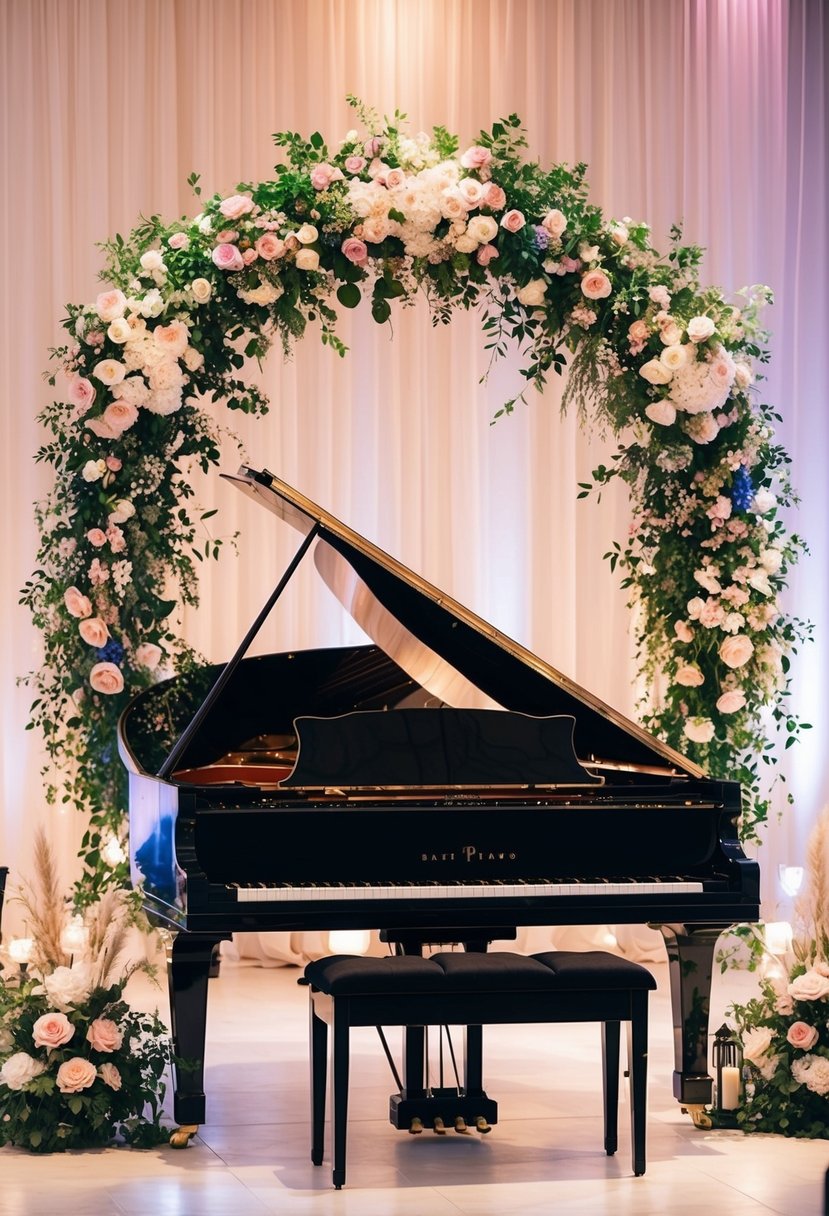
416 1126
181 1136
482 1126
460 1126
438 1126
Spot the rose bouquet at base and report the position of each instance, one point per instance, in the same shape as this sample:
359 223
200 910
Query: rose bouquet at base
79 1067
785 1030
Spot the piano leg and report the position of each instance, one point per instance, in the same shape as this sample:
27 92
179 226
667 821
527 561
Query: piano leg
690 960
189 960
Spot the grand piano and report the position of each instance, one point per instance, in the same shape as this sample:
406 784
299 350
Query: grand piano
439 784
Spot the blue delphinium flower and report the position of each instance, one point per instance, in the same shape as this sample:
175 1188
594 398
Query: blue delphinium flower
742 489
113 652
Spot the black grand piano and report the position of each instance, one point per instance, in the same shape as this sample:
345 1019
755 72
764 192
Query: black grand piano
440 784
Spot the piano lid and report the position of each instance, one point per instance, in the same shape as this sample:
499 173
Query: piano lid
456 656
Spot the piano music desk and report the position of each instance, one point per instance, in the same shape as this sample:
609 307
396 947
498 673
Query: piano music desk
476 990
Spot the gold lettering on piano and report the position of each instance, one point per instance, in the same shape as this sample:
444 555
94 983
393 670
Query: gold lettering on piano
471 853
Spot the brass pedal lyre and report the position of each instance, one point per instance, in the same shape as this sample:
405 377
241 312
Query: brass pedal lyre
482 1126
438 1126
460 1126
416 1126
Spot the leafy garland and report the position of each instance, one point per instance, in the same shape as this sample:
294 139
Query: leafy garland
664 363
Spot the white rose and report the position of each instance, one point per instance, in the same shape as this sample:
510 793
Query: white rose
109 371
695 607
655 372
670 333
110 304
759 580
482 228
119 330
20 1069
307 259
674 356
699 730
699 329
742 375
152 260
813 1072
763 502
93 470
124 510
193 359
532 294
152 304
661 412
307 234
113 852
756 1043
771 560
201 290
811 986
68 986
619 233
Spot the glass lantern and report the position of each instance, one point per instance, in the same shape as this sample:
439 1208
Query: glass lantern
728 1066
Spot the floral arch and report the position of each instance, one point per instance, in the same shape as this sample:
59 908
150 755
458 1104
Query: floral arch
671 367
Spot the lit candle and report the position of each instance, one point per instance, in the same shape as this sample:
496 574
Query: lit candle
20 950
730 1097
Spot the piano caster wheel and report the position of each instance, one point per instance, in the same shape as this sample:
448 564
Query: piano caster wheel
460 1126
180 1137
438 1127
416 1126
482 1126
699 1114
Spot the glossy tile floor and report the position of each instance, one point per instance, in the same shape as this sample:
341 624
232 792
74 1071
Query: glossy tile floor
545 1156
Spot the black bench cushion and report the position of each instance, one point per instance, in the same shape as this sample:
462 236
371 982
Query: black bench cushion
503 971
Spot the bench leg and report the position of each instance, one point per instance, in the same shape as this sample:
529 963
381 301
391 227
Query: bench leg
319 1069
610 1085
638 1065
339 1088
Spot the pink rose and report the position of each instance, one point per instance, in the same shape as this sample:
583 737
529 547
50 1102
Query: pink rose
119 416
372 146
595 285
249 256
355 250
113 464
110 304
485 255
661 412
179 240
93 631
81 393
52 1030
106 678
227 257
683 631
513 220
100 428
323 175
638 331
148 655
570 265
355 164
96 537
110 1075
802 1035
236 206
494 197
227 236
689 675
75 1074
77 605
269 247
116 539
104 1035
476 157
731 701
395 178
736 650
307 259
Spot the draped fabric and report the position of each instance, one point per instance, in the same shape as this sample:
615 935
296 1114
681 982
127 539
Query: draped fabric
712 112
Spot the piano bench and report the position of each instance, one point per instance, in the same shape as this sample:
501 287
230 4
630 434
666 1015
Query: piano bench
474 990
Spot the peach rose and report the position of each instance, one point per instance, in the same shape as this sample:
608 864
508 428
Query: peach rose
94 631
81 393
201 290
106 678
513 220
638 332
471 191
227 257
554 222
269 246
76 1074
104 1035
110 1075
802 1035
109 371
655 372
482 228
172 338
77 605
52 1030
485 254
683 631
96 537
736 651
494 197
731 700
531 295
394 179
595 285
148 655
689 675
236 206
110 304
307 234
661 412
119 416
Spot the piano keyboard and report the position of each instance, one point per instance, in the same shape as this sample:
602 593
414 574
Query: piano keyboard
265 893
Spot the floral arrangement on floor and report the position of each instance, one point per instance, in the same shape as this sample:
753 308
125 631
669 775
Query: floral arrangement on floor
79 1068
785 1031
385 217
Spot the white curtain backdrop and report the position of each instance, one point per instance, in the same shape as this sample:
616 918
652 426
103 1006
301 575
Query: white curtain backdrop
712 112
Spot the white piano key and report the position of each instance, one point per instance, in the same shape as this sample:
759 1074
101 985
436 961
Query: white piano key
499 890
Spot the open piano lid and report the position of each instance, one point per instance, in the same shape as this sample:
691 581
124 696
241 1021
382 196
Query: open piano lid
460 659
